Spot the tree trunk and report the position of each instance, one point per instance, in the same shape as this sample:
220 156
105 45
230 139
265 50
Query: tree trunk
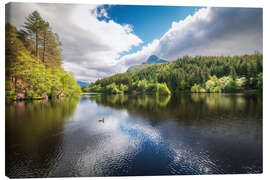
59 94
44 47
37 43
15 84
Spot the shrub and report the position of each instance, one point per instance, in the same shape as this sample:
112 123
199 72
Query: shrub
197 89
162 89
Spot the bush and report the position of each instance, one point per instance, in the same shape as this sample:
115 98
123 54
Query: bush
142 86
162 89
123 88
241 82
152 88
197 89
112 89
260 81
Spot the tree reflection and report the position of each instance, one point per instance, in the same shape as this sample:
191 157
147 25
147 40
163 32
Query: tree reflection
186 107
33 126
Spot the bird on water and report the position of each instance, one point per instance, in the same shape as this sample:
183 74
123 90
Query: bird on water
101 120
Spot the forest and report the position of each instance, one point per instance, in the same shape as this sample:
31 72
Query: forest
199 74
34 62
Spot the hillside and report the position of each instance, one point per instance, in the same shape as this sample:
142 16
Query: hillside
153 59
138 67
195 74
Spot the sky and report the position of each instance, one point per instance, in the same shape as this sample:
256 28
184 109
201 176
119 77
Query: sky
101 40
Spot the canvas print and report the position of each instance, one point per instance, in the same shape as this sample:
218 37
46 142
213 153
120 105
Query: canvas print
132 90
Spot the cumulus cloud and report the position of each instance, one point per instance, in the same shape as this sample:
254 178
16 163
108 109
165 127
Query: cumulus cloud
90 45
210 31
92 42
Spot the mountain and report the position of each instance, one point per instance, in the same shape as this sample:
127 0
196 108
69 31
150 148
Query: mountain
82 83
153 59
138 67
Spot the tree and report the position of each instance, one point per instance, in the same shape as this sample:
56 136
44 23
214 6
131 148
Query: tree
33 28
162 89
260 81
112 88
197 89
13 47
241 82
45 29
123 88
52 56
233 72
29 75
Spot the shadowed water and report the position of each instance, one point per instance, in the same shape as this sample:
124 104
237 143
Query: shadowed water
141 135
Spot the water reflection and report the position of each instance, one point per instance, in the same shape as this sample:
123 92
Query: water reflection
32 135
141 135
189 108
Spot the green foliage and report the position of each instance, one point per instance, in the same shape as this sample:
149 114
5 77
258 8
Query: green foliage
151 88
225 84
142 86
260 81
211 83
112 89
197 89
162 89
93 88
123 88
241 82
26 72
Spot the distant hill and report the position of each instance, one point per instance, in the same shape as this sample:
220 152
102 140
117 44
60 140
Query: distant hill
82 83
153 59
138 67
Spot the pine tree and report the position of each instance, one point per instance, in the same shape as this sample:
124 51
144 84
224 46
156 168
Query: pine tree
45 29
53 54
33 28
233 73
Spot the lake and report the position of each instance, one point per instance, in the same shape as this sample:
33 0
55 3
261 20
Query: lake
141 135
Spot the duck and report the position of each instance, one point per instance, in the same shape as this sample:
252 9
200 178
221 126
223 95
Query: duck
101 120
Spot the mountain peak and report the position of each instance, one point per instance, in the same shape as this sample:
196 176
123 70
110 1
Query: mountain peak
153 59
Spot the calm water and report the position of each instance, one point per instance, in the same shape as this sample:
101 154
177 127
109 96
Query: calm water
141 135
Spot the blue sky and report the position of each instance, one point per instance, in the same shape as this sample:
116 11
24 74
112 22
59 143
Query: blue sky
148 22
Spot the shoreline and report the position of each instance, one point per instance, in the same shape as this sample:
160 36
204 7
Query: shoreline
253 91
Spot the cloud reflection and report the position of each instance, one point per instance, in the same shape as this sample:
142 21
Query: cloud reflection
106 147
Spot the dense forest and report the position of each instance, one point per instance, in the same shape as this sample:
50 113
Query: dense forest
188 74
34 62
